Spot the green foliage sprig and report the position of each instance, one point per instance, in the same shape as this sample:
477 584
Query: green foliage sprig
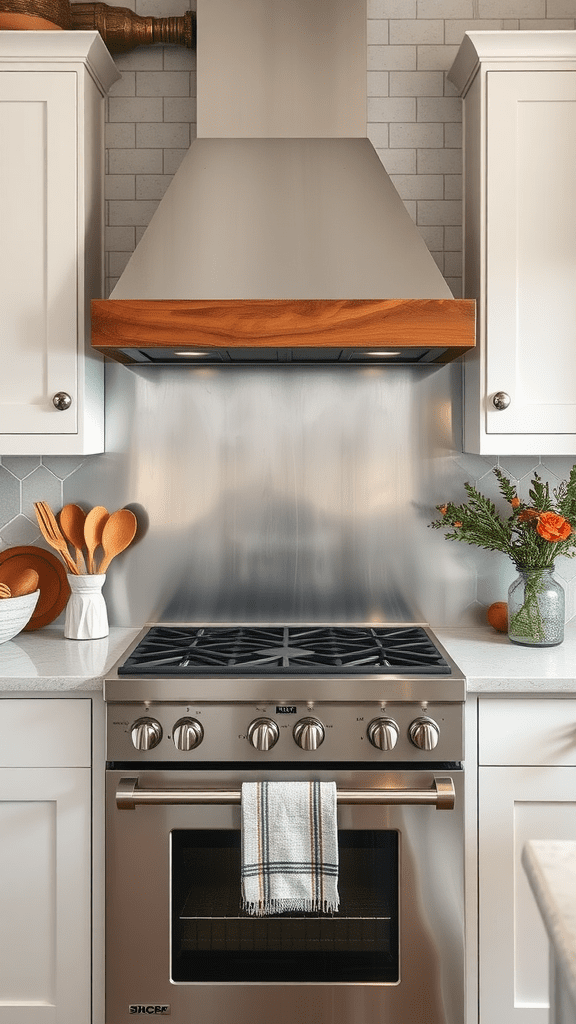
533 535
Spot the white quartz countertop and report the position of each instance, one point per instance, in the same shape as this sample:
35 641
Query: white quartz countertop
45 660
551 870
492 664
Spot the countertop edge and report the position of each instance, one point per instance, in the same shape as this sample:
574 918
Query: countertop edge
551 870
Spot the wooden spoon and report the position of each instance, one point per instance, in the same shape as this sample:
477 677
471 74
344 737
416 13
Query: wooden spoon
5 590
26 582
72 519
117 534
93 526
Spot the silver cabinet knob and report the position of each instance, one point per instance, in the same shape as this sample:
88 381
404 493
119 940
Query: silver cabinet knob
187 734
146 733
62 401
263 733
383 733
308 733
501 400
424 733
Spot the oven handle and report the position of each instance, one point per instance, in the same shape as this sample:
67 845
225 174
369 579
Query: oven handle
441 795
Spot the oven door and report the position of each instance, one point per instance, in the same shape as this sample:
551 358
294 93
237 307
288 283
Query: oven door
178 945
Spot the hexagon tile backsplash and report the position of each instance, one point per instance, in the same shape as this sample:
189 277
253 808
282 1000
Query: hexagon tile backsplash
26 479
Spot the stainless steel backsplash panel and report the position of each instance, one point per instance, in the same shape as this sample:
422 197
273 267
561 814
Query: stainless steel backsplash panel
270 494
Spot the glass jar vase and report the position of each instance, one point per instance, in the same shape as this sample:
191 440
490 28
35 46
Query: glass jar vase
536 609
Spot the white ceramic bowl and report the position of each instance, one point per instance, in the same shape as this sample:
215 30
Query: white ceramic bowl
15 612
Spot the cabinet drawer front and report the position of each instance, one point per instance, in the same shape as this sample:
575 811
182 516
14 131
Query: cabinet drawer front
527 732
37 733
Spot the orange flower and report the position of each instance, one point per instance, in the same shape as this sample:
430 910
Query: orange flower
515 501
553 527
527 514
443 509
457 524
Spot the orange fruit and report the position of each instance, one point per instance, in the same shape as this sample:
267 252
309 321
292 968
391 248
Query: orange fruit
497 616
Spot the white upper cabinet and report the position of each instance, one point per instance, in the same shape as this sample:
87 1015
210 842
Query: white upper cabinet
52 89
519 142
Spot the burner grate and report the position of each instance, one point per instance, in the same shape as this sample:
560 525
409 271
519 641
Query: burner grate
284 650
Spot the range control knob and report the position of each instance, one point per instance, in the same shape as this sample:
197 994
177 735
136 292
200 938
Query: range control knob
424 733
146 733
187 734
308 733
263 733
383 733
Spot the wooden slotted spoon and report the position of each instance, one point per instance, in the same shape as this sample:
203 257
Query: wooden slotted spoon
93 526
117 534
72 519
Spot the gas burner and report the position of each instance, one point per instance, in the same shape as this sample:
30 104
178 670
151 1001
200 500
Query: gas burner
284 650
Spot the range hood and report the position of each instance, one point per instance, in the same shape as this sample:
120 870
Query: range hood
281 237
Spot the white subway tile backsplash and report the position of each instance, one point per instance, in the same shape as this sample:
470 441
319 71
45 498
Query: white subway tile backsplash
377 83
378 134
444 109
453 135
439 161
119 240
454 29
117 262
143 58
452 264
391 8
163 136
446 8
453 186
512 8
178 58
416 136
560 8
172 159
416 83
125 212
162 83
120 136
125 86
179 108
419 186
377 32
416 31
389 58
120 186
129 108
442 211
387 109
135 161
398 161
152 186
433 236
453 238
435 58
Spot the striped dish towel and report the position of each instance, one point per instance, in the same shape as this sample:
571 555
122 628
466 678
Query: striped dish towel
289 847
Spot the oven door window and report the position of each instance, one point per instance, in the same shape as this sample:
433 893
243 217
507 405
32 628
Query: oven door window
213 940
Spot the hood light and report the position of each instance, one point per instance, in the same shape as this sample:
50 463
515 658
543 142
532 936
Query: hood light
385 353
188 354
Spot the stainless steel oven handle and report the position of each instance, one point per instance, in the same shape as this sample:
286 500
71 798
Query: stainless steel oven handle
440 795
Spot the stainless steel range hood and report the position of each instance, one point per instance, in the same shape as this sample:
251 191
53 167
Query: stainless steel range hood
281 237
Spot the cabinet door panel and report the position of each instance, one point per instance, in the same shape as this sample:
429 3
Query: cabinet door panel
43 733
527 731
531 251
516 804
38 278
45 896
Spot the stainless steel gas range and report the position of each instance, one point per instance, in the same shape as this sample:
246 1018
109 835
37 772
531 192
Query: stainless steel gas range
196 710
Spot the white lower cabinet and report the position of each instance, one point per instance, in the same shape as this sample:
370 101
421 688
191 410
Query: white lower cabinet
45 861
526 790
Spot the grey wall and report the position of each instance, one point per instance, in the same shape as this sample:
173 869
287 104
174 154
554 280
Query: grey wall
289 494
